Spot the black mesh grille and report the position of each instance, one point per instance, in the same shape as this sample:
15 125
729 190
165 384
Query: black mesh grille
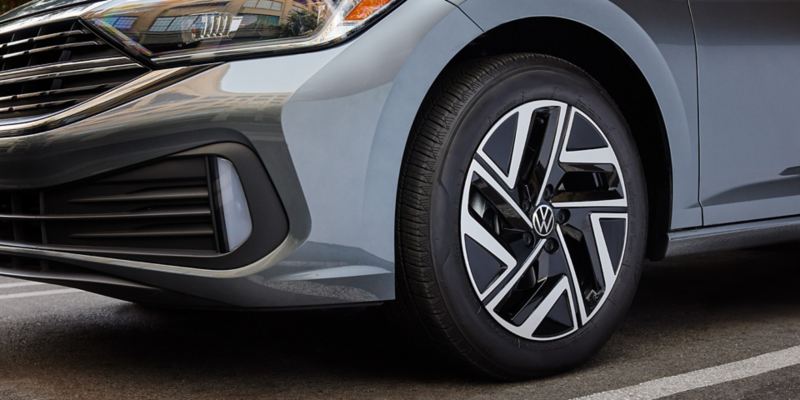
164 206
51 67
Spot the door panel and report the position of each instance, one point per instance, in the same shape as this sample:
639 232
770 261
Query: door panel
749 95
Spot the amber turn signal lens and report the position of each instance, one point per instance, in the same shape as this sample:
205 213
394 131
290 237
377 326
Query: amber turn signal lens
365 9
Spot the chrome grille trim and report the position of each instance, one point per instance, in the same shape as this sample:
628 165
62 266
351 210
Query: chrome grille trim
42 38
38 106
42 69
76 65
60 47
69 72
112 98
49 90
33 95
35 20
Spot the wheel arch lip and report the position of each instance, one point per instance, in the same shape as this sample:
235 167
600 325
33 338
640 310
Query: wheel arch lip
454 33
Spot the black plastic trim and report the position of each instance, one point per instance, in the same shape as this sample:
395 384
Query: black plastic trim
269 218
215 198
733 236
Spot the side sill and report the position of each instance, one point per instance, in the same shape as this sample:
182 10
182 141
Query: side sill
733 236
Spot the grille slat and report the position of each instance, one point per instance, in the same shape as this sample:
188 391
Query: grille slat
56 92
170 194
85 73
41 38
146 234
38 106
63 61
167 214
79 67
40 50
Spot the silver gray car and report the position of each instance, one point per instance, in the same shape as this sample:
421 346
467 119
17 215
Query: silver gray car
499 169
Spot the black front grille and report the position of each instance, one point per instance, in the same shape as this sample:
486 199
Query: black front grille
51 67
166 206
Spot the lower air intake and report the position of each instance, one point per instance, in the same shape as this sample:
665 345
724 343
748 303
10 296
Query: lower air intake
168 206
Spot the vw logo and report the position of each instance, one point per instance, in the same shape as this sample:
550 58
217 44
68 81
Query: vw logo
544 220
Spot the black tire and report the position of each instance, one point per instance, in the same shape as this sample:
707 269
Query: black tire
434 286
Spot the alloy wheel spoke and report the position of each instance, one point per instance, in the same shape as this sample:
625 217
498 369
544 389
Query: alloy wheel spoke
500 292
546 145
504 147
534 321
492 190
594 244
588 173
573 275
538 298
483 247
591 156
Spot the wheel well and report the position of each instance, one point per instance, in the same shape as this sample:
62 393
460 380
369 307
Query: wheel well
618 74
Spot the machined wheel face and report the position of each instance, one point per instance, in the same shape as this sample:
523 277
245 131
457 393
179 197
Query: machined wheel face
544 220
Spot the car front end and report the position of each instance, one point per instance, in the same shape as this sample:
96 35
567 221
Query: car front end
206 154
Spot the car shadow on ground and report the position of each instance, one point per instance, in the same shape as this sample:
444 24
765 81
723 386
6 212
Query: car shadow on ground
308 353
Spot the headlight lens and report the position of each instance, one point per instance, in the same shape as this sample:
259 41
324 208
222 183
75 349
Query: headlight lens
167 31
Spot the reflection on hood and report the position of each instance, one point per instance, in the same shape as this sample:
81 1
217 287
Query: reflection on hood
27 7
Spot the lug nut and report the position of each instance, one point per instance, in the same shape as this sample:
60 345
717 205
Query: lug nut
551 246
548 192
528 238
563 216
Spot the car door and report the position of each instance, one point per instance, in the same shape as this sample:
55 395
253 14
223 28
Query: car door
749 98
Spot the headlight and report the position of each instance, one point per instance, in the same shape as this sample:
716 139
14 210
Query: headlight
168 31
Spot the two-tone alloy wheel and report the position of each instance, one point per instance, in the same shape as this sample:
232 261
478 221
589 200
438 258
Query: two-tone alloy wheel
522 217
543 220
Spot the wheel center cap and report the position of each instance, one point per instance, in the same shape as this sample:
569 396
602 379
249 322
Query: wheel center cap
544 220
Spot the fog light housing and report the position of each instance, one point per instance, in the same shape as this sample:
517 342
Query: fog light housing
236 222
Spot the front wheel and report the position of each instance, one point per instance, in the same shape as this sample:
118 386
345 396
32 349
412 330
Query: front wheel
522 216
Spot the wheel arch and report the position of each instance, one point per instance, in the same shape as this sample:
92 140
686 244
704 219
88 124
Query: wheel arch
663 131
620 77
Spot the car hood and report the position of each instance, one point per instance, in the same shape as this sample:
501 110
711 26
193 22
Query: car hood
37 6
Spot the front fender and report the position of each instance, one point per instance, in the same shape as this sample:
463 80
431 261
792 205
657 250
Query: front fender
657 36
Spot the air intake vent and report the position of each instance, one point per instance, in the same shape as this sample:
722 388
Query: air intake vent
165 206
51 67
212 207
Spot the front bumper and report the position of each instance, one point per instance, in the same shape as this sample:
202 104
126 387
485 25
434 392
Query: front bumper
312 120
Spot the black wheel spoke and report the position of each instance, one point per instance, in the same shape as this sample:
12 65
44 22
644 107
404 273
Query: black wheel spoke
539 301
546 138
587 173
594 243
486 185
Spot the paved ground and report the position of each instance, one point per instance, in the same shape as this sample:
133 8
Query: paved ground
689 315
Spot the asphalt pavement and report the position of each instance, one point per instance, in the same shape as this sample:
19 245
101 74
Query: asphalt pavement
692 316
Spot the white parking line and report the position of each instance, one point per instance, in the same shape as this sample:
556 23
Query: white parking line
19 284
37 294
734 371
